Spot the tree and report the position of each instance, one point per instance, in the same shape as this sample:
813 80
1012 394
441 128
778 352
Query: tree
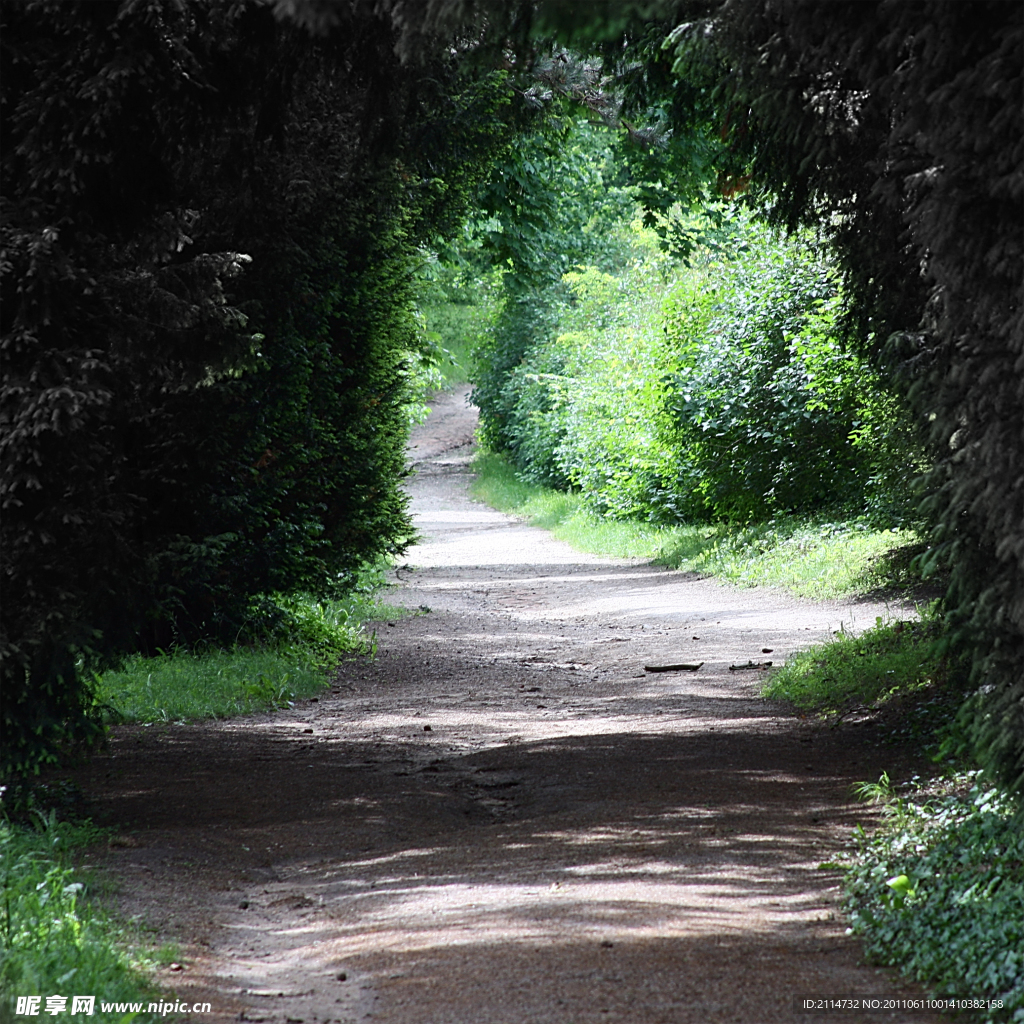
210 220
895 130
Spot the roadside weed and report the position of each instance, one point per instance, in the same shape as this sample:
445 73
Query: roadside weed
893 657
307 639
53 937
938 891
183 686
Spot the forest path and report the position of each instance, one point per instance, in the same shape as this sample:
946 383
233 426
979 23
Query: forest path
503 819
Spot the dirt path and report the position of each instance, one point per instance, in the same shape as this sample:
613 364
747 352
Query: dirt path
503 819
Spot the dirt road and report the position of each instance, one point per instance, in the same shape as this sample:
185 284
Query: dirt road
503 819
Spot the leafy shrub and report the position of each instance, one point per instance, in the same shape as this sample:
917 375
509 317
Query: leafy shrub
722 391
768 410
583 406
938 892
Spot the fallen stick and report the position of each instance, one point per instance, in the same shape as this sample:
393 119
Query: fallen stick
750 664
683 667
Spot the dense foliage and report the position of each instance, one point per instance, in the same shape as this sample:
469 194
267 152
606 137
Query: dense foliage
210 225
939 893
719 391
896 128
554 204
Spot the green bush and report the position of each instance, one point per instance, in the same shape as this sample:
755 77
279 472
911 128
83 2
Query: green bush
722 391
938 892
769 409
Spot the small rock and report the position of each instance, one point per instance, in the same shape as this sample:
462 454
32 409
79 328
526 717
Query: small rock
176 967
427 728
607 943
767 650
342 976
307 730
244 905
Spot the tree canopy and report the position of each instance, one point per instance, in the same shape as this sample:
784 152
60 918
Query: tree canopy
211 219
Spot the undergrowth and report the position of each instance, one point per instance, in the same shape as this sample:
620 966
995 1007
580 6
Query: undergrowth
938 891
185 685
457 328
807 558
54 938
897 657
289 658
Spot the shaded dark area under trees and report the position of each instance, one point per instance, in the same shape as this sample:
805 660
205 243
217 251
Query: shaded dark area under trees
210 218
211 214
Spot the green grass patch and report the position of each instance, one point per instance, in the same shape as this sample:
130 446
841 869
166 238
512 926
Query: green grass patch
938 891
54 937
305 639
810 559
895 657
185 685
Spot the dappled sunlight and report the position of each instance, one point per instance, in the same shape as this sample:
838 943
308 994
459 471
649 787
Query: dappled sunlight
654 576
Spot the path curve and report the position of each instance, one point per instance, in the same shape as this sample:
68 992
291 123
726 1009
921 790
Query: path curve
503 819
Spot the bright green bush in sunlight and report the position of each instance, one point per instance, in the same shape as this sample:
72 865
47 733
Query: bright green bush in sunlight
720 391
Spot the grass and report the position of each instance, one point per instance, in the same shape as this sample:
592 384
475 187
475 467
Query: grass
938 891
184 686
54 937
308 638
810 559
894 657
906 674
